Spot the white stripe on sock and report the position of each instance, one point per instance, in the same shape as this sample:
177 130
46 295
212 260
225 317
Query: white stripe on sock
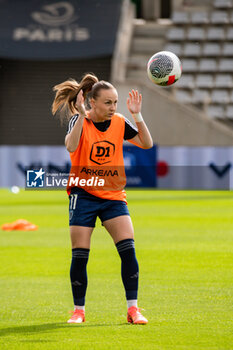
132 302
79 307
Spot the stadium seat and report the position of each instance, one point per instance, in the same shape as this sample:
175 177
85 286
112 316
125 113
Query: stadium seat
176 34
229 35
215 33
229 112
175 48
211 50
189 65
231 97
227 49
221 4
180 17
187 81
207 65
192 50
200 96
199 18
219 17
223 81
183 96
226 65
215 111
196 33
220 96
205 81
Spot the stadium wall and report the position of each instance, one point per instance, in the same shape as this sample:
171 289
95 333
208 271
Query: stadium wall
26 96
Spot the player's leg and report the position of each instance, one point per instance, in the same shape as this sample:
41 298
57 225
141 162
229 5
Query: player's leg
83 211
80 241
122 233
81 236
121 230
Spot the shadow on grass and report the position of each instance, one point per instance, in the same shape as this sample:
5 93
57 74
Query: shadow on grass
37 341
37 328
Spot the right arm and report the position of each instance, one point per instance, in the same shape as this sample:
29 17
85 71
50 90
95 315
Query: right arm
72 139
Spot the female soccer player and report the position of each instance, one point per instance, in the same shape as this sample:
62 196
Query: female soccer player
95 142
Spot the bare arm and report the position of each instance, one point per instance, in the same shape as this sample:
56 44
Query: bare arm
143 139
73 138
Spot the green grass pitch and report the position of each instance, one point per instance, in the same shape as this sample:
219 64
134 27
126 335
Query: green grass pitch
184 248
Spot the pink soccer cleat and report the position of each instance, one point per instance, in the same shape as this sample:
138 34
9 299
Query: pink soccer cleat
77 317
134 316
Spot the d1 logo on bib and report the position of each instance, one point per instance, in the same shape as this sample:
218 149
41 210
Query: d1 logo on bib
102 152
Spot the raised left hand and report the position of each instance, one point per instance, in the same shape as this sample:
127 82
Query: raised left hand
134 102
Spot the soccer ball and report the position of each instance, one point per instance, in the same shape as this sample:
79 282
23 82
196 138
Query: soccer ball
164 68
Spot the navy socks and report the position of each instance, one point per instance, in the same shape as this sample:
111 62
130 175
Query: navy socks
78 274
129 271
129 267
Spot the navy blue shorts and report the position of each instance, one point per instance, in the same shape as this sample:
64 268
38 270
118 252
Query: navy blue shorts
84 208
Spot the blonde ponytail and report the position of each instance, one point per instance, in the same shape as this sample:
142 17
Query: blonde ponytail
66 93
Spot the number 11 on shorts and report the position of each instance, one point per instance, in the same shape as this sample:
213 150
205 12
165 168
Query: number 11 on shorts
73 201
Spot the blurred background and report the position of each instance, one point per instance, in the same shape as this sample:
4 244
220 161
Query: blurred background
44 42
